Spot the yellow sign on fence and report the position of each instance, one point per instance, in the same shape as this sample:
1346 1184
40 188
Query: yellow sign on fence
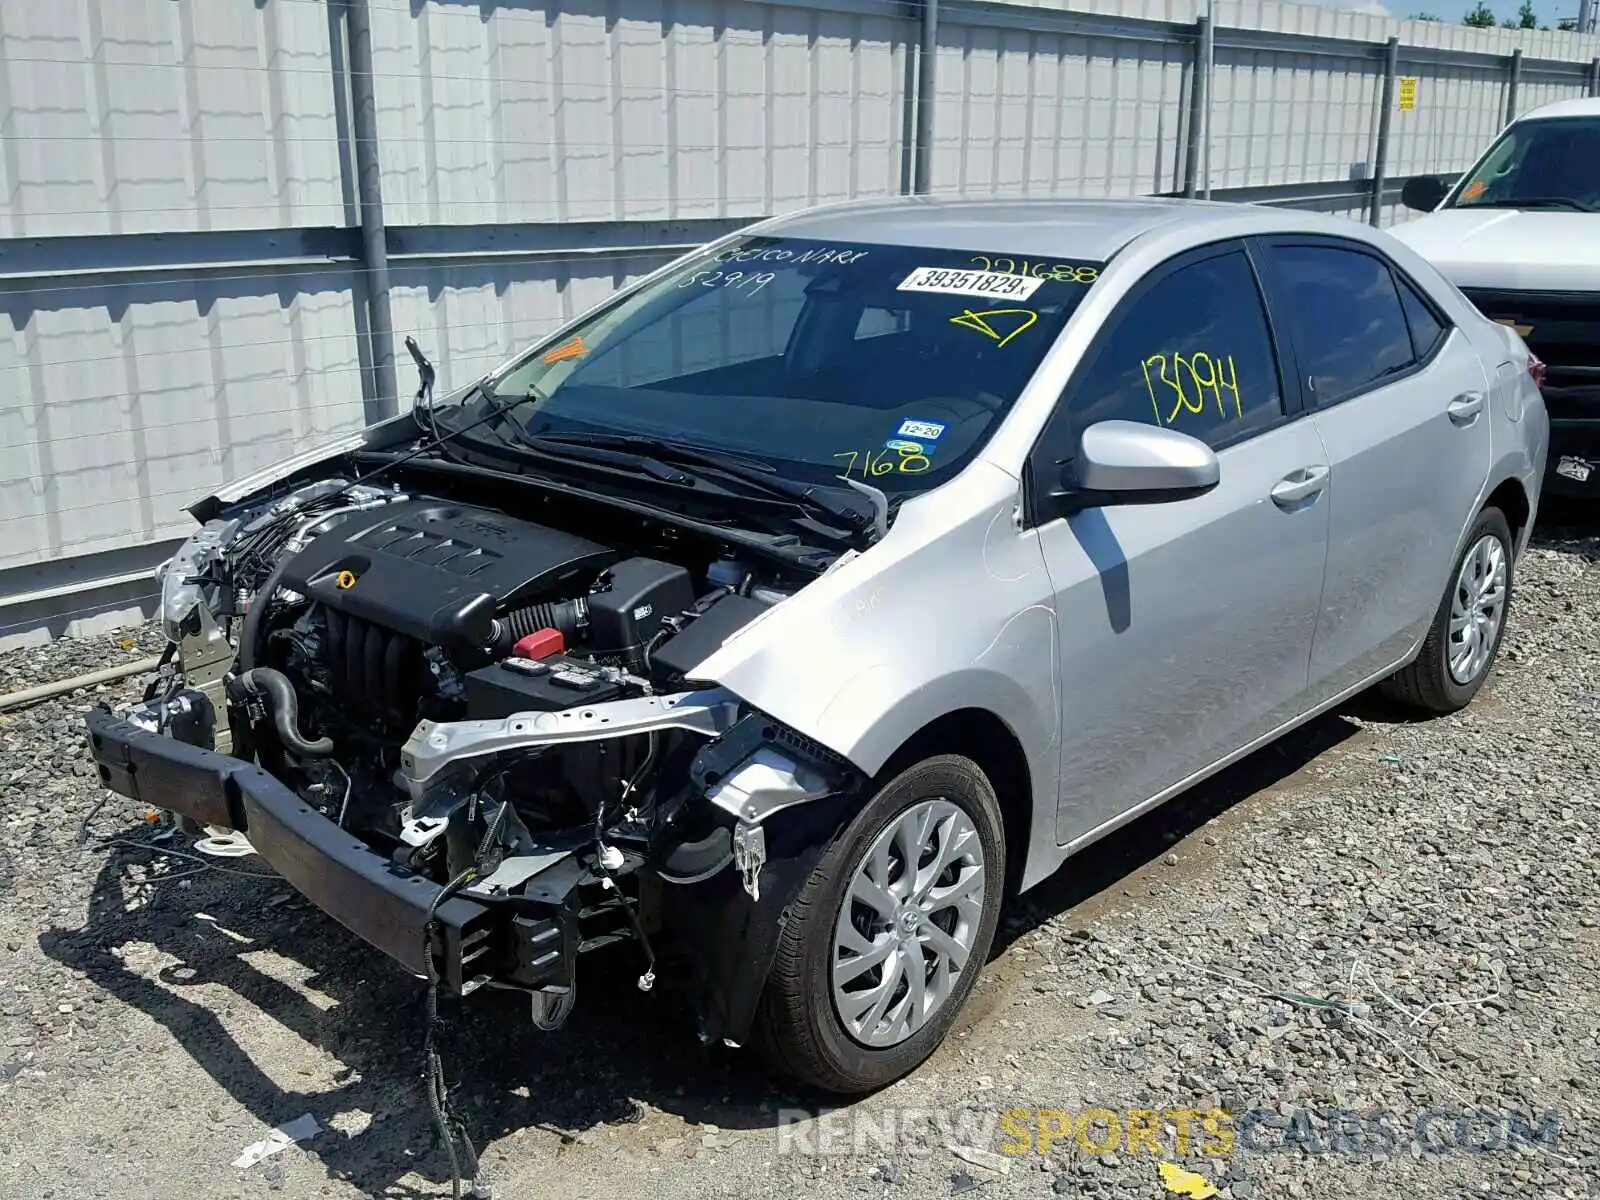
1408 92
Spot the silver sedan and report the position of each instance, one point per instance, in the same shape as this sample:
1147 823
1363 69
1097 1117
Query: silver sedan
816 593
1206 471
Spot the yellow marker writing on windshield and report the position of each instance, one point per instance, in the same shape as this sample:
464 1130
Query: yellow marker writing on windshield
981 321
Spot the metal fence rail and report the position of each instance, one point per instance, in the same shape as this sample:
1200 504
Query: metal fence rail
216 217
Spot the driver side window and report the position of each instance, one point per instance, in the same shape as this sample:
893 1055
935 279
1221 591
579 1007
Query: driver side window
1191 352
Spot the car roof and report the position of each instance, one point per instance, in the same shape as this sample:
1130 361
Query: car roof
1586 107
1082 230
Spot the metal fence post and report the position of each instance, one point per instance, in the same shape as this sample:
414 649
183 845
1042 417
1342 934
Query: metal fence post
908 111
1516 83
927 77
1380 164
384 393
1594 78
1199 83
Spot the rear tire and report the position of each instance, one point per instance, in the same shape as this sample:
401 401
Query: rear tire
830 1021
1465 637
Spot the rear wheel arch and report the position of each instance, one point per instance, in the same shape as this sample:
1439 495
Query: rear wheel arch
1511 498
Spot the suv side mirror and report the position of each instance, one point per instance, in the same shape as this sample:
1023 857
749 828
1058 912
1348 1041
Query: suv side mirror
1125 462
1424 193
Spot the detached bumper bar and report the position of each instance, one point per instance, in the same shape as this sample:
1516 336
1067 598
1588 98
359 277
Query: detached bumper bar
378 901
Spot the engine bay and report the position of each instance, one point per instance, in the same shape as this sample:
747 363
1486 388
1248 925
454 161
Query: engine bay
498 706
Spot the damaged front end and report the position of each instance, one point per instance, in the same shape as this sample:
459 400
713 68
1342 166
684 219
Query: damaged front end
474 740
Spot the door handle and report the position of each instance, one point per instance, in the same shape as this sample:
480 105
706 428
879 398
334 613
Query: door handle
1465 408
1293 488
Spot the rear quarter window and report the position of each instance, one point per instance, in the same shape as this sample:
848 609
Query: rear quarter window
1427 331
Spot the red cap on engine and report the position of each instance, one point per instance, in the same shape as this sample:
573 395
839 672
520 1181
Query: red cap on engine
541 643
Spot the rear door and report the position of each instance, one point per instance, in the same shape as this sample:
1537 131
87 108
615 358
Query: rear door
1400 399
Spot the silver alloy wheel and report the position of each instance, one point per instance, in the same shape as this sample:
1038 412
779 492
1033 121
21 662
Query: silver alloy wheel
1477 606
905 929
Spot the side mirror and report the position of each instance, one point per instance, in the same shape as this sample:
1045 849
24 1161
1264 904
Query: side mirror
1424 193
1125 462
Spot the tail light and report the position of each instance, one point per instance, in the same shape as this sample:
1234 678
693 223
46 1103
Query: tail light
1536 369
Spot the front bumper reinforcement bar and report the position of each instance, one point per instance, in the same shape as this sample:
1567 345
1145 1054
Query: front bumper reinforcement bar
379 901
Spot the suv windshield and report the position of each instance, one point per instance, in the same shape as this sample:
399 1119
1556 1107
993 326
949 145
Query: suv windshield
1551 163
887 364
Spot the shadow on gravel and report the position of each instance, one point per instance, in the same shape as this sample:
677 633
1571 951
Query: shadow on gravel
1109 861
620 1047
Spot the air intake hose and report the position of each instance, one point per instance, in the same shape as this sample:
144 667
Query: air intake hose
278 693
566 615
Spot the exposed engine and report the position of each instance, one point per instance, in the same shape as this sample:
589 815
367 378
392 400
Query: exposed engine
338 631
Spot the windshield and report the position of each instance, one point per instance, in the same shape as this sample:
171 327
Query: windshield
887 364
1551 163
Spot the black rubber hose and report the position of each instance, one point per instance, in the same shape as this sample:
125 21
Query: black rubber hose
250 631
285 706
564 615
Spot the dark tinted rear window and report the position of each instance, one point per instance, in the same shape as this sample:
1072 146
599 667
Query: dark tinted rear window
1427 331
1349 326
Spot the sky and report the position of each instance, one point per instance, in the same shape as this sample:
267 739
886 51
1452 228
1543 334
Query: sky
1453 10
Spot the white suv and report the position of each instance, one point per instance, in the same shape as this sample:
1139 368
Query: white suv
1519 233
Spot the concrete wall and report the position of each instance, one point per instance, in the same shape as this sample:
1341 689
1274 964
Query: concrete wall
183 292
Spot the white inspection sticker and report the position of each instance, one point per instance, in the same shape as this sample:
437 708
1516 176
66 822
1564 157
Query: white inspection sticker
1574 468
986 285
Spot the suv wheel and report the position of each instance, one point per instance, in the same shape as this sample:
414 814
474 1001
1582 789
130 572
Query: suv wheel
886 938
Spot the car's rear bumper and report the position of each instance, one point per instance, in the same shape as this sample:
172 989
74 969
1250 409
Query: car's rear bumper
374 898
1574 463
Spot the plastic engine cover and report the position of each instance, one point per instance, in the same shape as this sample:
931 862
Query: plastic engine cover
437 571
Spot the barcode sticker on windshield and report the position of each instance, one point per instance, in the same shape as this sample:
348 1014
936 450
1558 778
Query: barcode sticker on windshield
986 285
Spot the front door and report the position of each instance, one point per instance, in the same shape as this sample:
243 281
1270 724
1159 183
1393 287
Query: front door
1184 628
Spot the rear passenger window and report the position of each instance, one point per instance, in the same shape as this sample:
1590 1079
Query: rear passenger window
1427 331
1193 353
1349 327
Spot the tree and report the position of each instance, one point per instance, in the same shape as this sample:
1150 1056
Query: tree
1526 17
1423 16
1481 17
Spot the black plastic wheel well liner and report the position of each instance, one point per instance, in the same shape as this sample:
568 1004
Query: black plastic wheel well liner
733 939
1511 499
729 937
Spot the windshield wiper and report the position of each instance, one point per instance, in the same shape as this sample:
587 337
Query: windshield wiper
1533 202
641 464
757 475
661 447
513 435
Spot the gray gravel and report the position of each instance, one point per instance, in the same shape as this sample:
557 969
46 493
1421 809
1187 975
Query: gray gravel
1373 914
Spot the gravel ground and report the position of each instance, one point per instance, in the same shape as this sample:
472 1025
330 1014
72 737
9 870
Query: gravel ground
1373 914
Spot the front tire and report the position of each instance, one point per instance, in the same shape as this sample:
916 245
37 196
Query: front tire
1465 637
885 940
